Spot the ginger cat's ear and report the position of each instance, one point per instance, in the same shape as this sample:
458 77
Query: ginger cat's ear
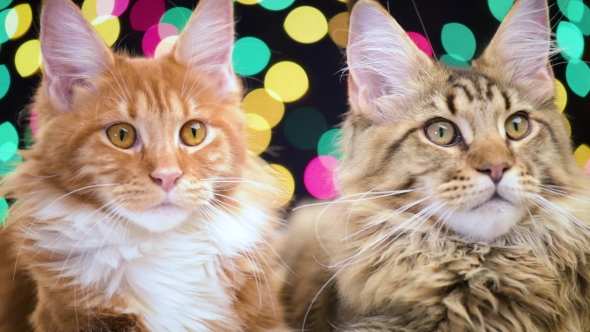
383 61
522 47
206 43
72 51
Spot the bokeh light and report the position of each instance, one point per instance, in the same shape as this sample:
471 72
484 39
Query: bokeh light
560 96
276 5
154 35
258 133
582 154
108 28
584 23
3 34
5 3
288 80
458 41
306 24
177 17
568 125
572 9
3 211
449 60
28 58
18 20
422 42
570 40
250 56
500 8
319 177
285 181
304 127
338 29
33 122
265 103
329 144
577 75
248 2
4 81
146 13
8 148
165 46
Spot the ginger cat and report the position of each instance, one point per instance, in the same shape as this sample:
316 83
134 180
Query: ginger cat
138 208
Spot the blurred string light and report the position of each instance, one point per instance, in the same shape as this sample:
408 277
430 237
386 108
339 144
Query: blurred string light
459 42
319 177
28 58
4 81
422 42
266 103
288 80
250 56
285 181
8 148
500 8
306 24
582 155
338 29
258 133
304 126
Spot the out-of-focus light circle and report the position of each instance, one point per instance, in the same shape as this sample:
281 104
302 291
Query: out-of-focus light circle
28 58
582 154
265 103
584 23
500 8
276 5
18 21
338 29
570 40
29 137
577 75
329 144
288 80
5 3
249 2
146 13
154 35
452 61
165 46
250 56
572 9
568 126
319 177
8 141
4 81
422 43
560 96
108 28
306 24
304 127
258 133
177 16
3 17
458 41
111 7
3 211
90 9
285 181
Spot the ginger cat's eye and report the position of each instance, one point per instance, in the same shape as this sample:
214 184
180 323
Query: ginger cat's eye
442 132
193 132
122 135
517 126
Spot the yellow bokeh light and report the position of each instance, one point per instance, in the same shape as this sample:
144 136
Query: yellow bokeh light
165 46
288 80
306 24
108 28
249 2
28 58
582 155
338 29
560 96
258 133
89 10
265 103
285 181
18 20
567 125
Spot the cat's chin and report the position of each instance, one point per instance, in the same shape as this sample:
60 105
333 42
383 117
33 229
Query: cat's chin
485 222
158 219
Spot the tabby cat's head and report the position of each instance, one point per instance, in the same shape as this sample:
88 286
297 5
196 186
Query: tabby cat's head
142 138
476 144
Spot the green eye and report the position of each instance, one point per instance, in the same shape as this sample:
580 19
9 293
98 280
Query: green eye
442 132
517 126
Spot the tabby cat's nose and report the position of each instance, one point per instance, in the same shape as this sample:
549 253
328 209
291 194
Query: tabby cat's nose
166 178
495 171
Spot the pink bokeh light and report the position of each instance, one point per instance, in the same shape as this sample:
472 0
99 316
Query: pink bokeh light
319 177
154 35
146 13
422 42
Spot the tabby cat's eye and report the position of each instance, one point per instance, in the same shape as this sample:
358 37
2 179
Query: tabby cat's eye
193 132
122 135
442 132
517 126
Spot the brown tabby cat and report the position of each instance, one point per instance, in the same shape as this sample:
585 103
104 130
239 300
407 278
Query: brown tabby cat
139 207
462 208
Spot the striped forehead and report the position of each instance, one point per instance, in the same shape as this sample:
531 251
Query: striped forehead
157 99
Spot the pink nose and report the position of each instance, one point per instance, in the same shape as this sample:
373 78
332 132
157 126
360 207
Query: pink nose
495 171
166 178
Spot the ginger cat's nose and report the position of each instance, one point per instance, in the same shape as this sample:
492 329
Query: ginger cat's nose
166 178
495 171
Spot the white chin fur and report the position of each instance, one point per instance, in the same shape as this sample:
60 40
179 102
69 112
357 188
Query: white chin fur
486 222
157 220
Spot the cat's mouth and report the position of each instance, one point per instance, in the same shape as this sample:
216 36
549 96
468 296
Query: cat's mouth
495 199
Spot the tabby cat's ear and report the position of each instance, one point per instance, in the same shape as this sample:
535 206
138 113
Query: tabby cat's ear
206 43
521 49
72 51
382 61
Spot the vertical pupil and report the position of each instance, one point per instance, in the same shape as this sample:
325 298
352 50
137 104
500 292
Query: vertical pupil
194 131
515 125
122 133
441 131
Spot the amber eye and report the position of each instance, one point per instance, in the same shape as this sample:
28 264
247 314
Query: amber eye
122 135
193 132
517 126
442 132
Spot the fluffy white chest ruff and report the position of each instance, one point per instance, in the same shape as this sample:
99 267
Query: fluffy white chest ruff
174 280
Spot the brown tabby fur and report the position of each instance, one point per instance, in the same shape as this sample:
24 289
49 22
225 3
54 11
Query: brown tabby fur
353 273
71 152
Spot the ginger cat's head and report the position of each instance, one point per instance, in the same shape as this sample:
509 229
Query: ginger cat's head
143 138
477 148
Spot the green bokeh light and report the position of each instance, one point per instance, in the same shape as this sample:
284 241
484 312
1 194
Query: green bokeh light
5 3
577 75
9 165
8 141
500 8
452 61
304 127
570 39
29 138
276 4
177 17
458 41
3 33
584 23
572 9
329 144
3 211
4 81
250 56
